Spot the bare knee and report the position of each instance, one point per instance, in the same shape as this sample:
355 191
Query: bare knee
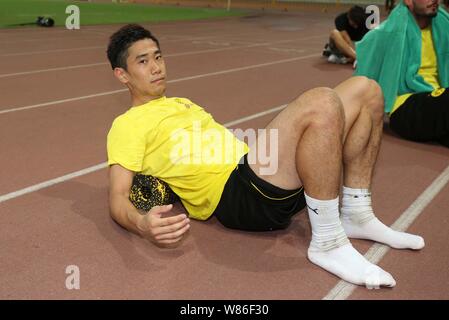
334 34
373 98
377 100
321 107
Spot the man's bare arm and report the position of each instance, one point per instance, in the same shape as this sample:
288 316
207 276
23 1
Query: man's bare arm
342 43
347 38
159 230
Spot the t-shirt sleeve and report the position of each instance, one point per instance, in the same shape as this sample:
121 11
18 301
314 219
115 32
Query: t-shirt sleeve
126 144
341 22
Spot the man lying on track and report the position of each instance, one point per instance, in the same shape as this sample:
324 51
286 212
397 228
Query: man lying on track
317 137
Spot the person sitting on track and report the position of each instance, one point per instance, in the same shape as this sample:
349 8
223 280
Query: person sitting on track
408 56
349 27
215 174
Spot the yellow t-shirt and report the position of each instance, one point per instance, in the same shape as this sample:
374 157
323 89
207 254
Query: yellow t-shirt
428 69
178 142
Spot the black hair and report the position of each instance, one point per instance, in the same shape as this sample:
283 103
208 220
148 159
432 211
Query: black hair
358 15
124 38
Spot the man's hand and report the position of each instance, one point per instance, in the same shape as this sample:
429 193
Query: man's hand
156 225
163 231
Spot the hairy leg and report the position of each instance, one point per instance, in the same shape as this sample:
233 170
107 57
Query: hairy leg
311 132
363 105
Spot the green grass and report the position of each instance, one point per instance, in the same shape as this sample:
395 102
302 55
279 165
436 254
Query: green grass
17 12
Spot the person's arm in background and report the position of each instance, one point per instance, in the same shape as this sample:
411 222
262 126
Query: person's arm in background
347 38
343 43
162 231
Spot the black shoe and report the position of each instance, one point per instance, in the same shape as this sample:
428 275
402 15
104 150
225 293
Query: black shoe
327 51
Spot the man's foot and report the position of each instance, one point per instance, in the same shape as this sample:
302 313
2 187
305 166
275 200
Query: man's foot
348 264
327 51
375 230
331 250
359 221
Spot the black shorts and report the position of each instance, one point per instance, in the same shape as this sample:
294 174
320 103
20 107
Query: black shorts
423 117
252 204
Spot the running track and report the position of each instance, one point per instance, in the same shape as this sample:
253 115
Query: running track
58 99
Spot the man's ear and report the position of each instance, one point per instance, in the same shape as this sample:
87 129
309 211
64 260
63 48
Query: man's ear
121 75
409 4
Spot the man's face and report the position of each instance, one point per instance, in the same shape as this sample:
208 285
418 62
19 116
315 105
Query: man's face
423 8
146 74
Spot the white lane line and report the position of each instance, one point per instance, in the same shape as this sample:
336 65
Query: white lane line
112 27
254 116
71 49
85 37
49 51
82 48
51 182
243 46
40 105
377 251
14 109
52 69
178 39
5 75
104 28
245 68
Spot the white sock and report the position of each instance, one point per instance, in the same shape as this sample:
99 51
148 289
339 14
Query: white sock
331 250
359 221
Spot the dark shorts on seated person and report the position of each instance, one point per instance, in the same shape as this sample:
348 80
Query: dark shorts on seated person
423 117
253 204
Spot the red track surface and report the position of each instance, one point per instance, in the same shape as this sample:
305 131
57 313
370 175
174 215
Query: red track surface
68 223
